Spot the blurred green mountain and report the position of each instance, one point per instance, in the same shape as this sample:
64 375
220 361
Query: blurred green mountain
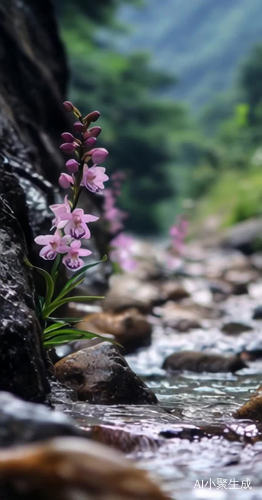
202 42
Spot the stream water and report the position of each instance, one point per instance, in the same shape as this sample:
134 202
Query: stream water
191 443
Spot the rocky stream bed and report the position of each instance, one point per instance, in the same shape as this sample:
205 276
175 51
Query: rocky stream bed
191 436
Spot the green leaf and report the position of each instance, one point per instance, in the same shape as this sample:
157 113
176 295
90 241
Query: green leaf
70 288
66 320
54 326
67 334
65 290
48 281
58 303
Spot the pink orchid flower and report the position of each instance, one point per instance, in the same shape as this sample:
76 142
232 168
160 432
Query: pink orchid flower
52 245
62 213
121 252
72 259
65 180
98 155
93 178
76 225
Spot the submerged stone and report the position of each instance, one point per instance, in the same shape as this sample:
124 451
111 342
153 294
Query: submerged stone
202 362
252 409
101 375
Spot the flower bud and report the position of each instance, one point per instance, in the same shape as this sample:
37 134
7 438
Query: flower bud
67 137
92 117
95 131
68 106
72 166
65 180
78 126
68 147
98 155
90 142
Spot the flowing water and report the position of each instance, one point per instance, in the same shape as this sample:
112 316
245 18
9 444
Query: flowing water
192 443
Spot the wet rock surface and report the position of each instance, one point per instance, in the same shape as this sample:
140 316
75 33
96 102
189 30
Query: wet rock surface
100 374
193 433
72 468
201 362
130 328
23 422
30 94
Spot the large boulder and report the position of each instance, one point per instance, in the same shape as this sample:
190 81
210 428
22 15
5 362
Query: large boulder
101 375
33 76
70 469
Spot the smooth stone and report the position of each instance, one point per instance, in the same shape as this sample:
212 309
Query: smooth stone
130 328
23 422
73 469
235 327
252 409
202 362
257 313
174 290
126 291
243 236
101 375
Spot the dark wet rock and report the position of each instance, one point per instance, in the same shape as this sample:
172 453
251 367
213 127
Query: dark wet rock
23 422
22 369
202 362
244 236
101 375
70 469
251 355
130 328
174 290
251 410
33 75
126 291
231 432
123 439
235 328
240 280
257 313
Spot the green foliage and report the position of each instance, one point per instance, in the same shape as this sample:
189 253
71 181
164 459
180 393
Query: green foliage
135 120
58 331
170 156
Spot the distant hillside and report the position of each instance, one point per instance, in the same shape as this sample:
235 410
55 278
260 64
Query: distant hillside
202 42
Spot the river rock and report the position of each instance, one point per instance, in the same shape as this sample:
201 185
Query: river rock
101 375
174 290
70 469
202 362
23 422
126 291
257 313
235 328
252 409
243 236
130 328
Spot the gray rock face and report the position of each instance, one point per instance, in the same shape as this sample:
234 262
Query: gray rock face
32 80
101 375
22 368
23 422
201 362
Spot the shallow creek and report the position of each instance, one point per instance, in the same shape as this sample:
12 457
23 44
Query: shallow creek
192 436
